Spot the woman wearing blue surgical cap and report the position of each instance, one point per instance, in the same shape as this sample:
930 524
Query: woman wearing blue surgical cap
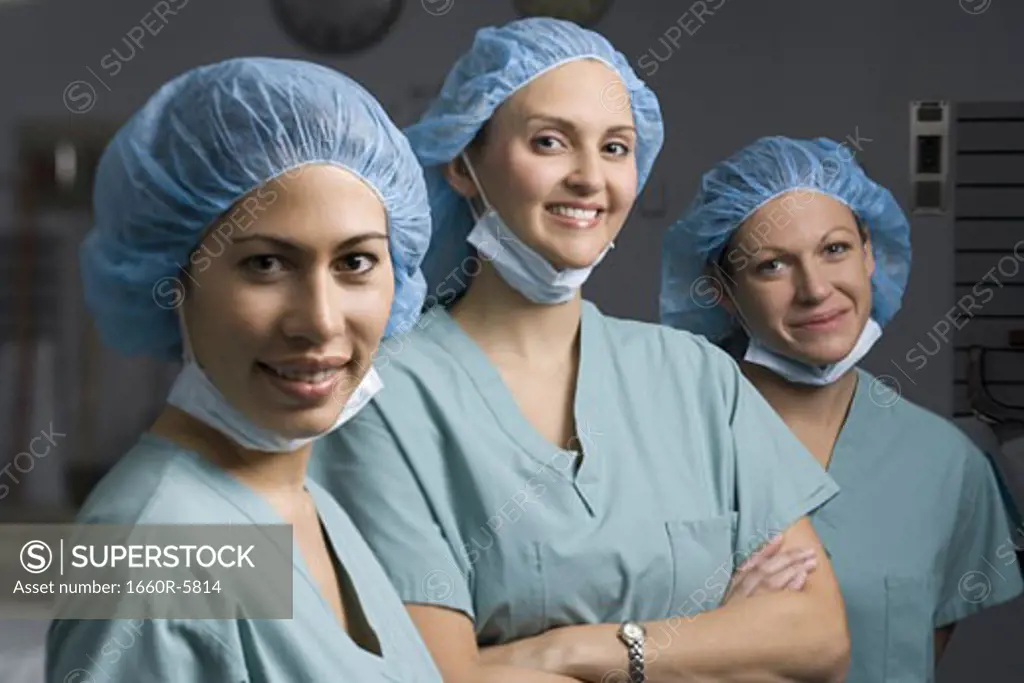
791 256
556 493
264 220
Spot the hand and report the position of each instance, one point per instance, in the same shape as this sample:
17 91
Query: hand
770 569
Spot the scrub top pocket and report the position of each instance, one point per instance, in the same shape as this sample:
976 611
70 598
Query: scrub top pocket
703 554
510 604
909 629
891 626
608 577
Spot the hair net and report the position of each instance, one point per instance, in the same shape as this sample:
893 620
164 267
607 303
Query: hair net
501 61
735 188
205 139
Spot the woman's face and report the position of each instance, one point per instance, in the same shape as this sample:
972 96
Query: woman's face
557 162
288 297
800 271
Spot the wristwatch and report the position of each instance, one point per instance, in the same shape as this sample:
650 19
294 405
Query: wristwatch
633 636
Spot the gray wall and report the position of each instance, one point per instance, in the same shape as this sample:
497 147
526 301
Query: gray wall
800 67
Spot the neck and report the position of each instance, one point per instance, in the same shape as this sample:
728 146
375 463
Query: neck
276 475
801 405
499 318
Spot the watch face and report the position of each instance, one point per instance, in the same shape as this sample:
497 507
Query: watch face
582 12
633 631
339 26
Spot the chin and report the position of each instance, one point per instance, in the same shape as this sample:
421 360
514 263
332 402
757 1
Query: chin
576 254
305 424
824 353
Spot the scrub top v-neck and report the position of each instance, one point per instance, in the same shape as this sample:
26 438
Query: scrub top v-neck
157 482
578 461
918 534
684 470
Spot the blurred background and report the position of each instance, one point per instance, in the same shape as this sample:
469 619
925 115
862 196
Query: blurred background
928 95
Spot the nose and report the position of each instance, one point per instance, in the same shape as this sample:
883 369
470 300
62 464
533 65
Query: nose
317 312
587 176
812 284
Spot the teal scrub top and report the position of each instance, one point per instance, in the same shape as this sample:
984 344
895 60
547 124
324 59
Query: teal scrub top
160 483
918 534
685 470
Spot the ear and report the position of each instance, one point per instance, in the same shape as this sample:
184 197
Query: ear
725 301
457 175
869 256
714 276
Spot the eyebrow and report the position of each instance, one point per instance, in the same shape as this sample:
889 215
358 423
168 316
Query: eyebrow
782 250
844 228
288 245
560 122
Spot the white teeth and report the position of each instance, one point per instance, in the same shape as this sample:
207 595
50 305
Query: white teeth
309 377
573 212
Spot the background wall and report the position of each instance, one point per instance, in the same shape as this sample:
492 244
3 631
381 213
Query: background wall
795 67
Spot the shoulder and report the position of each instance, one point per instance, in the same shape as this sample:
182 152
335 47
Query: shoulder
641 336
928 435
127 647
419 357
666 351
148 486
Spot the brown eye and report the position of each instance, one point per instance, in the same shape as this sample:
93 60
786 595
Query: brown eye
769 267
263 264
618 149
359 264
547 143
837 248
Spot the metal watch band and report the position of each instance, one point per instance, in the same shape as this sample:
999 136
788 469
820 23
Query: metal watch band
636 662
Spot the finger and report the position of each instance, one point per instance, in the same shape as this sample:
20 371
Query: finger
784 560
807 566
798 582
763 564
779 580
766 551
762 580
785 578
748 583
782 578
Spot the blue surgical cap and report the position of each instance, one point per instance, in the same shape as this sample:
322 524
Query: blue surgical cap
736 187
501 61
202 142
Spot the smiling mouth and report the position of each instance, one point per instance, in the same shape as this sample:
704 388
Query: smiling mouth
822 321
576 215
317 377
306 385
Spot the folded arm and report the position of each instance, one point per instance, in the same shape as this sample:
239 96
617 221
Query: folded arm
768 637
450 637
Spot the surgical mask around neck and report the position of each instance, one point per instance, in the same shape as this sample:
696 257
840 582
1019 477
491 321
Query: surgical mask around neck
519 266
799 372
796 371
194 393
